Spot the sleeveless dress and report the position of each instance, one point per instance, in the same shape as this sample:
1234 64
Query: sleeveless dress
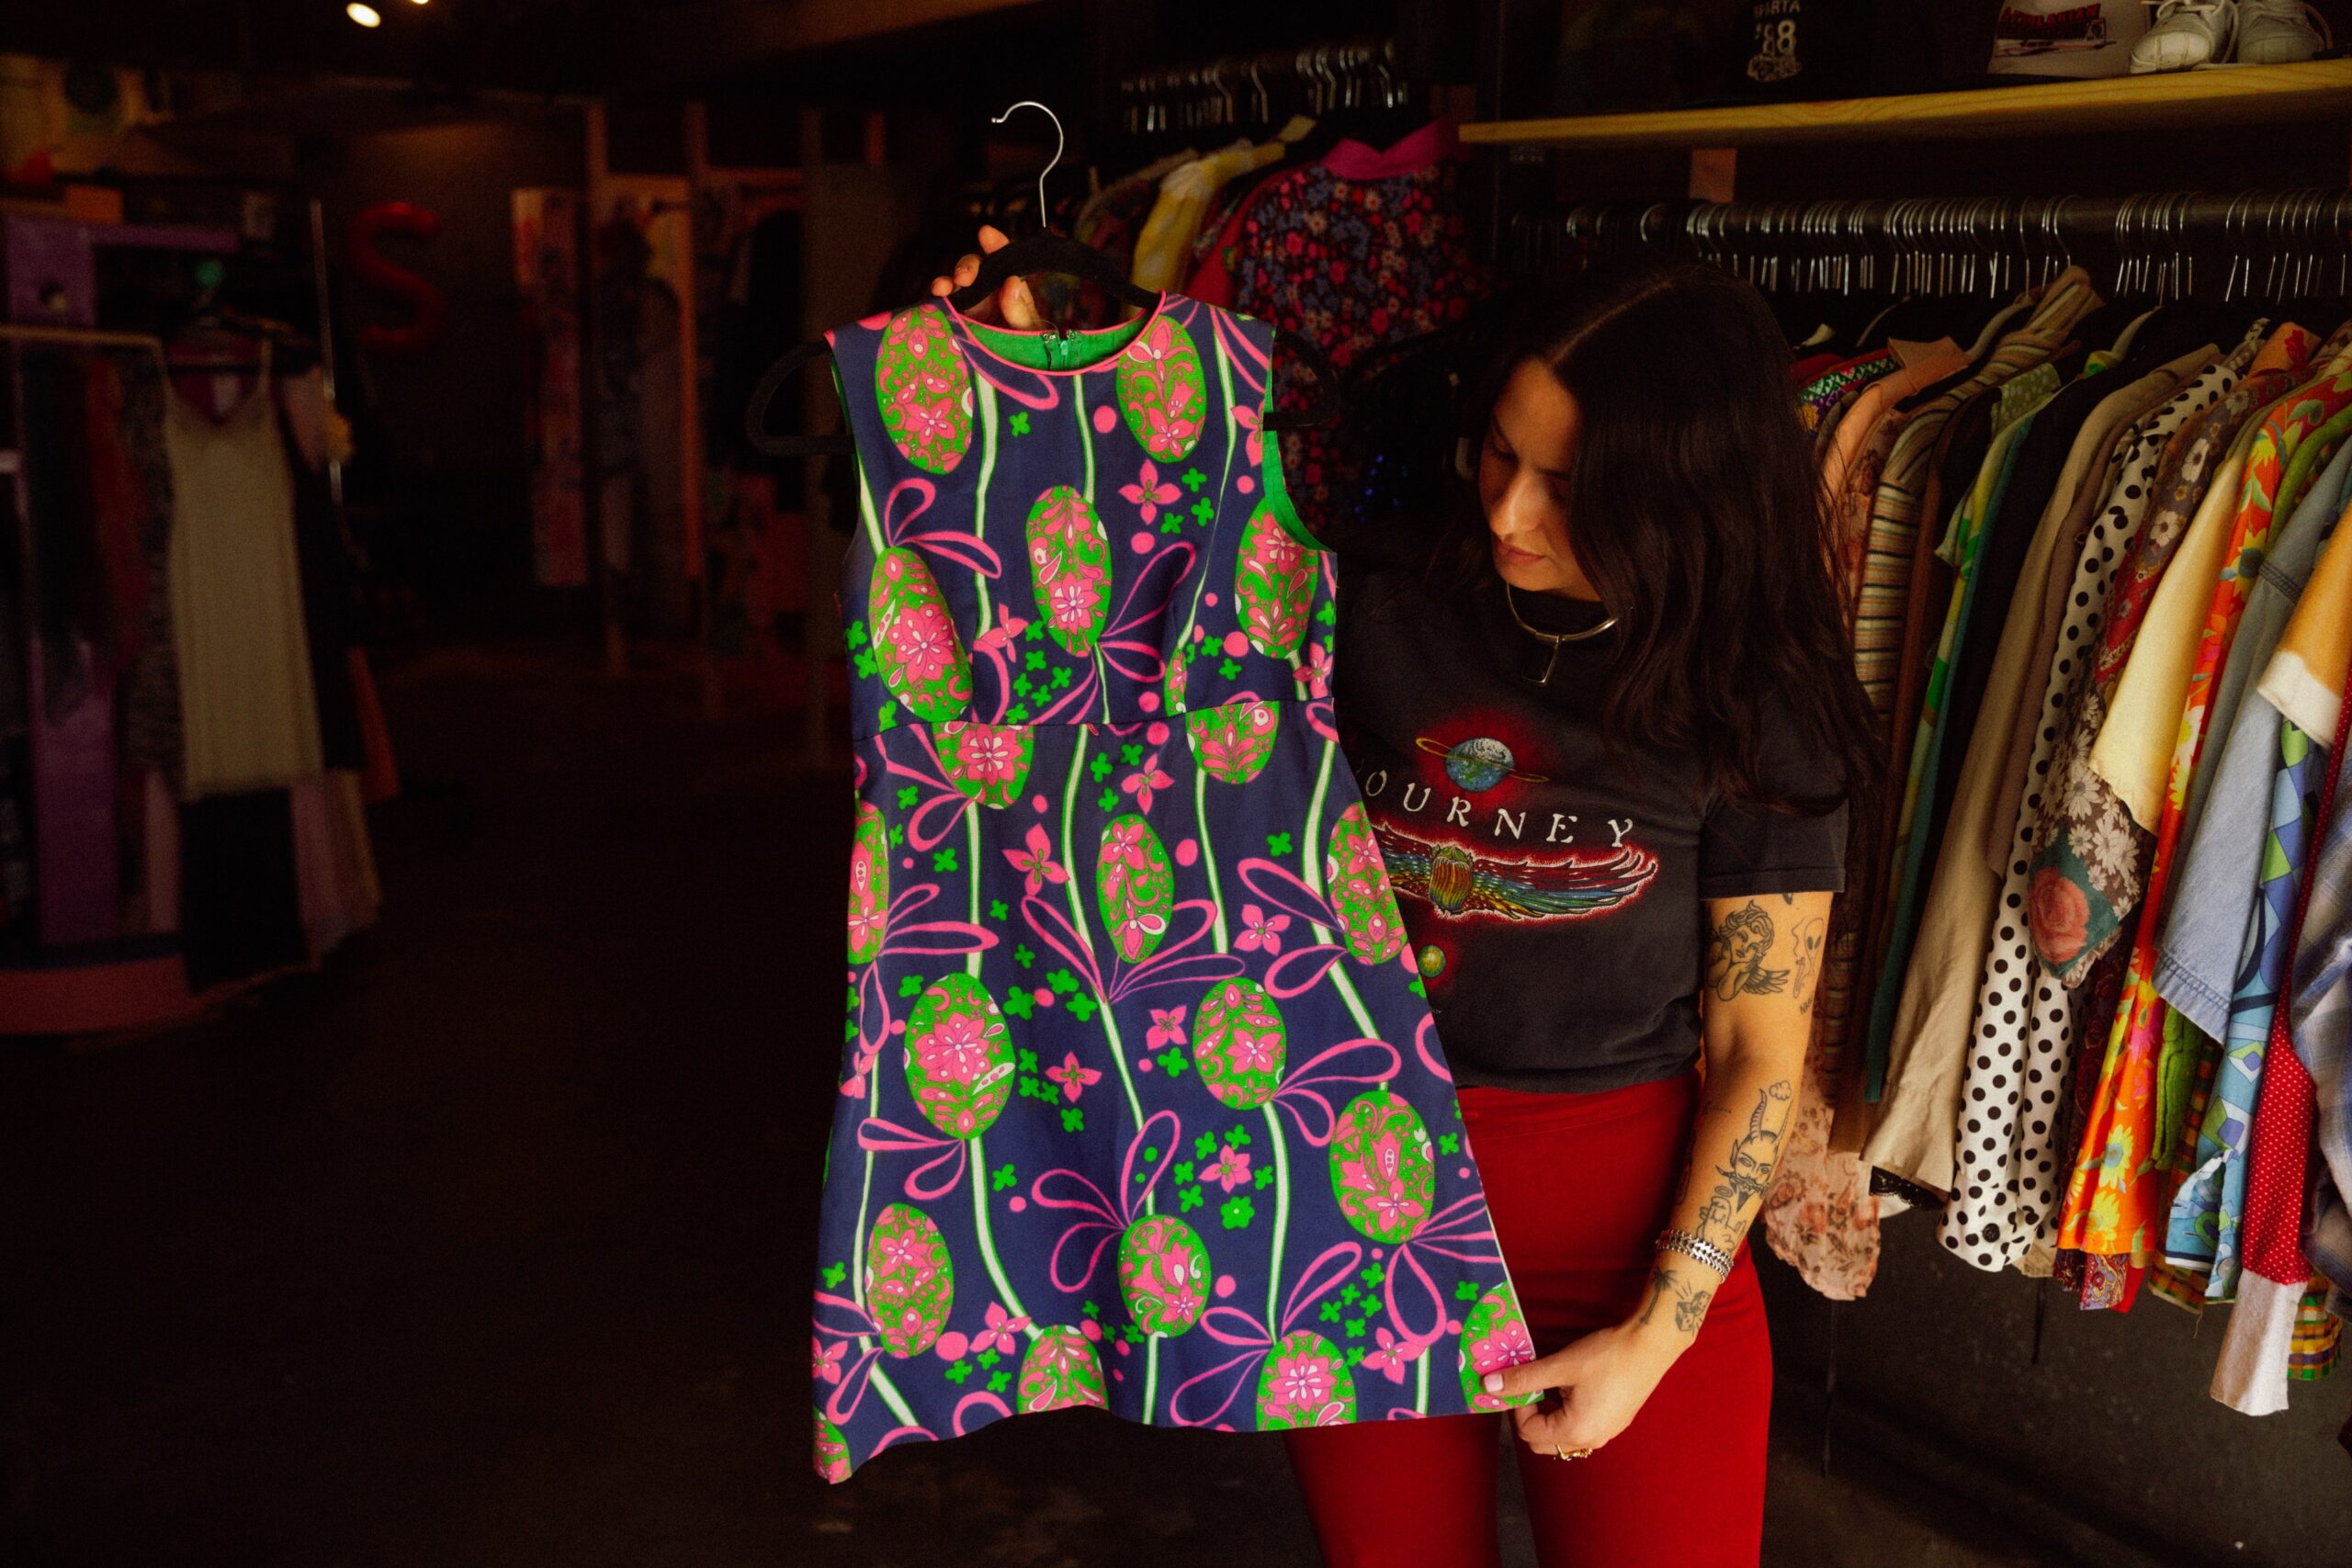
1140 1102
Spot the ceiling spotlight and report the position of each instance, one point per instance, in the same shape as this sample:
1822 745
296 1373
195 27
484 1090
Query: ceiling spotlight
366 16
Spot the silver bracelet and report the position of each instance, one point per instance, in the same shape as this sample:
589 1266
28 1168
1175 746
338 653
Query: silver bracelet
1696 1247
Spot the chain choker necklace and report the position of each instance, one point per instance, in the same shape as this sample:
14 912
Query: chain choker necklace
1555 639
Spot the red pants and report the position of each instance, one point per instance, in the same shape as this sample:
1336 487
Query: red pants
1580 1186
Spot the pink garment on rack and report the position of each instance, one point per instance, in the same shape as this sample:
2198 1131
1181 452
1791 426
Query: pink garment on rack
1353 160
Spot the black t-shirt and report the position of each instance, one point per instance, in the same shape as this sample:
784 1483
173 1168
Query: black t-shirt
1554 891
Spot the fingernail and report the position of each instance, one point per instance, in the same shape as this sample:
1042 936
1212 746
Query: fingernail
1494 1382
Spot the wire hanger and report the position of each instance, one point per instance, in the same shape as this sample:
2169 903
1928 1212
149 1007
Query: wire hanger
1044 251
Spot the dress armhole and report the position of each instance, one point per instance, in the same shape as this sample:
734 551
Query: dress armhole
1269 473
861 523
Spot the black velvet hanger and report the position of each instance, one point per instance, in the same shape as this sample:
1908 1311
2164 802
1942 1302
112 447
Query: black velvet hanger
1046 252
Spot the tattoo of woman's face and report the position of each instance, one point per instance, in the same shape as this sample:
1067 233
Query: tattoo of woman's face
1735 953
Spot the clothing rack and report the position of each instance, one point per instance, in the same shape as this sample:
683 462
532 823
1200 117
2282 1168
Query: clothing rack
1947 245
87 337
1244 90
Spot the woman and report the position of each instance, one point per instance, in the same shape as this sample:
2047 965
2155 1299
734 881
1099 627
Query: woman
1606 729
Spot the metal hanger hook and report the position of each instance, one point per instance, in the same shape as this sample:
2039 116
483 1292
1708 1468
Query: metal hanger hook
1060 140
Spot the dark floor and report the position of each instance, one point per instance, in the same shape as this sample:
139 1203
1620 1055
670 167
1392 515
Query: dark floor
490 1245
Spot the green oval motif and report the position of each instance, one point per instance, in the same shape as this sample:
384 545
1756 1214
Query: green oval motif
1163 1274
1239 1044
1381 1169
921 659
832 1451
923 389
1173 677
988 761
959 1058
1273 585
1356 879
1069 567
909 1279
1060 1371
1494 1335
1133 886
1160 390
1305 1382
1232 742
869 884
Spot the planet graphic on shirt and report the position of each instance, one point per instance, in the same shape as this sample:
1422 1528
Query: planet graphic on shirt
1479 763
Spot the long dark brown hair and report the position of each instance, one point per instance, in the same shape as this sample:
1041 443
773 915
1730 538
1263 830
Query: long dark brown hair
1694 506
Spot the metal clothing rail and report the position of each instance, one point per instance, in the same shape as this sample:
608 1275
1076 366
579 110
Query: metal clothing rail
1240 90
87 337
2268 243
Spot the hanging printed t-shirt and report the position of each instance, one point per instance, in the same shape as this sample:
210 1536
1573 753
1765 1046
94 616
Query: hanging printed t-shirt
1555 893
1136 1082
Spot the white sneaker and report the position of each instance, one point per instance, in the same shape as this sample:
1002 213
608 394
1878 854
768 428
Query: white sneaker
2276 32
2187 33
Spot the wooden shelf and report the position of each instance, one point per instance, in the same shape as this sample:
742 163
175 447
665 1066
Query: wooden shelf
2240 95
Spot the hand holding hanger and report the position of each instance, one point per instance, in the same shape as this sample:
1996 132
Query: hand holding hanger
1012 305
993 278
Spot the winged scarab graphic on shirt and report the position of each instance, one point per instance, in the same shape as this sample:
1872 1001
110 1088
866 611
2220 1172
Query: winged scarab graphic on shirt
1455 879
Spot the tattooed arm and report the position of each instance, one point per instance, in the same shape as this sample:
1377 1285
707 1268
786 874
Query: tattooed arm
1760 964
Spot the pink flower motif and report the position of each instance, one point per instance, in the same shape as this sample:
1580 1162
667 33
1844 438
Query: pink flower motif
1246 418
1304 1384
927 415
2060 916
1391 1358
1170 425
1231 1169
1069 598
1146 781
1167 1028
999 1334
991 753
1377 1179
911 1252
956 1050
825 1365
1259 931
1036 864
1313 671
926 641
1156 346
864 923
1148 494
1279 554
1507 1346
1072 1076
1000 635
1123 844
1252 1052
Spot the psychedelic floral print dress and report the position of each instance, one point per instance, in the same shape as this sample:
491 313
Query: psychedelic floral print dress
1140 1102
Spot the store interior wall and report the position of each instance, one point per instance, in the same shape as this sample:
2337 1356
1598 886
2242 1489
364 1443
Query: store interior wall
441 430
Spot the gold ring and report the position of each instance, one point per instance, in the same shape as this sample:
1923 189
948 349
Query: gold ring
1572 1453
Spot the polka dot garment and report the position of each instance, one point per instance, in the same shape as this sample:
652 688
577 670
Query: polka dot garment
2005 1150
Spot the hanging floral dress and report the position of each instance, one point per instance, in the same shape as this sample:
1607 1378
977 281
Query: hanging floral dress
1141 1106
